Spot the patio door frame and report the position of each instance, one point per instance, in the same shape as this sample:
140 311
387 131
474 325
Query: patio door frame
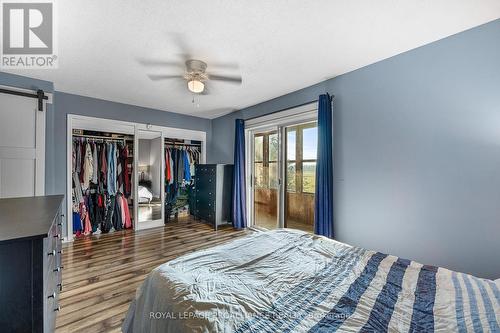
250 167
277 121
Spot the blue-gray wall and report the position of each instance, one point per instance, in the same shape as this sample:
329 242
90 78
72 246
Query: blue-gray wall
64 104
417 148
416 151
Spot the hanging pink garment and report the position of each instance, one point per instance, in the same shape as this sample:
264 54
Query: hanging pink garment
167 165
127 223
87 227
122 209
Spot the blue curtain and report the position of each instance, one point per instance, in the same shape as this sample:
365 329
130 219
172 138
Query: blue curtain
239 188
323 200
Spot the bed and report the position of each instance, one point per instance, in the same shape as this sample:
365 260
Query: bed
145 194
291 281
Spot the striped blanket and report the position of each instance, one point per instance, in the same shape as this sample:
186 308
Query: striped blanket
291 281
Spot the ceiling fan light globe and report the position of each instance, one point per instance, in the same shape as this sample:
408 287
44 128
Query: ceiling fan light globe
196 86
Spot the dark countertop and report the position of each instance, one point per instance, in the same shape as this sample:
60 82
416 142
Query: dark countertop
27 217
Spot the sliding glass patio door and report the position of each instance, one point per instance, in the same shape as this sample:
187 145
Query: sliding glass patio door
282 164
266 178
300 175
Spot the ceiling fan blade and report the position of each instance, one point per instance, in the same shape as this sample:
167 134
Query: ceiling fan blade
180 41
224 65
160 63
232 79
154 77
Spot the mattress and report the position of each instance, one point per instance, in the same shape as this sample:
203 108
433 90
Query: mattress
291 281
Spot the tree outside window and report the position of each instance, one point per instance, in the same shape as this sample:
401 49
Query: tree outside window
301 150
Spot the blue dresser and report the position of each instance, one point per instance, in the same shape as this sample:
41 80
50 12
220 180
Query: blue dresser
212 193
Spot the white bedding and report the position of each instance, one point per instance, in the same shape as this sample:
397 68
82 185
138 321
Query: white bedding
287 280
145 194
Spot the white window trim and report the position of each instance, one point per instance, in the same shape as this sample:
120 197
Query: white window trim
279 120
303 113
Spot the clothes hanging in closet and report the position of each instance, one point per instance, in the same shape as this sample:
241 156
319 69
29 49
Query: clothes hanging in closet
126 179
101 186
111 175
187 168
179 169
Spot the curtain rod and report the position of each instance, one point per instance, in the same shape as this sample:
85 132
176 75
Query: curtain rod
290 107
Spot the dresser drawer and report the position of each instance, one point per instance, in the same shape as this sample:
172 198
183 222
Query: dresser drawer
56 228
52 262
52 275
204 211
51 309
208 217
52 278
52 251
207 180
205 170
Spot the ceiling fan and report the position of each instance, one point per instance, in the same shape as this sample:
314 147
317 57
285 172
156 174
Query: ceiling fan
197 77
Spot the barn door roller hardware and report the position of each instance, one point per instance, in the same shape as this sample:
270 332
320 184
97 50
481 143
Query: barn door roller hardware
40 95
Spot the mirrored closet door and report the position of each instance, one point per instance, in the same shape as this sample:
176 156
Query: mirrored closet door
149 179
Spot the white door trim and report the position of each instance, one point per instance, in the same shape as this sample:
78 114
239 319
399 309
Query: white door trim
249 171
278 120
249 153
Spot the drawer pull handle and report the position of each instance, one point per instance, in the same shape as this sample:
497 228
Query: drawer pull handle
60 286
52 296
58 269
58 308
53 253
60 251
57 236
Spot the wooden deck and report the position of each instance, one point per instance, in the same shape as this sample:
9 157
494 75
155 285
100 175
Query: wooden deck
101 273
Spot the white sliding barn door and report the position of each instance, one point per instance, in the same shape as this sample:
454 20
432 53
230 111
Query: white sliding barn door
22 147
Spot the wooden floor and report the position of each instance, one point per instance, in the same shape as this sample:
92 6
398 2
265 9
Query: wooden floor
101 274
270 222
